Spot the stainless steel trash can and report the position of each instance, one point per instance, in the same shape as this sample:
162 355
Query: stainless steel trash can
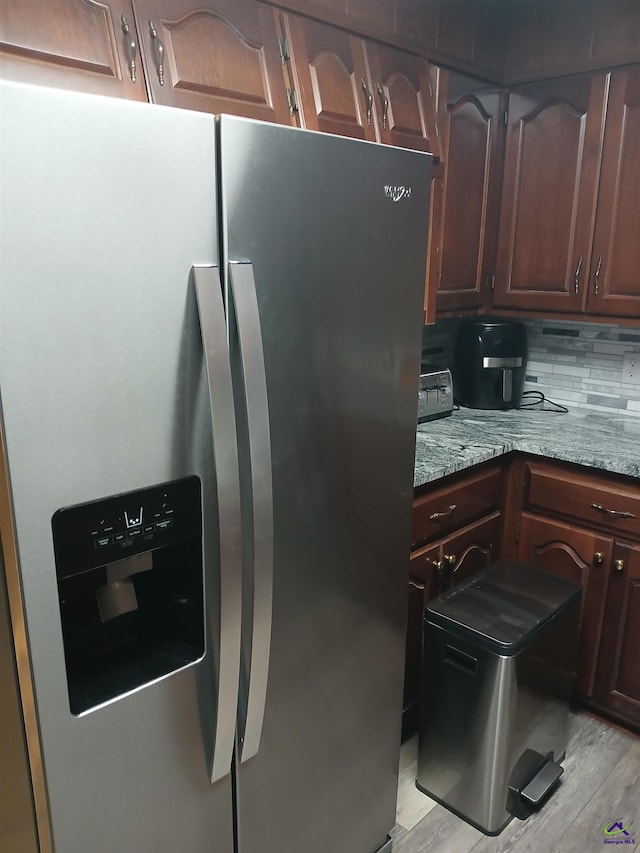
500 660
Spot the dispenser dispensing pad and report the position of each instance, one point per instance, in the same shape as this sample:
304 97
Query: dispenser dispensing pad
130 585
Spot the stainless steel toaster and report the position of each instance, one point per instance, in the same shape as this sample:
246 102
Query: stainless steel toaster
435 393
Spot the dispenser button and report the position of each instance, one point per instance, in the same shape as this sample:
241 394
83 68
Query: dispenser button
102 541
119 537
149 528
162 525
135 531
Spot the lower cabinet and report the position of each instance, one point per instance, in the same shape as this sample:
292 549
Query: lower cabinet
617 684
448 560
585 526
578 555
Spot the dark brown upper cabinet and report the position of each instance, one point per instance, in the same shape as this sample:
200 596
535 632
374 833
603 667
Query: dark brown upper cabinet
329 75
549 192
403 90
471 132
614 285
217 56
354 87
86 46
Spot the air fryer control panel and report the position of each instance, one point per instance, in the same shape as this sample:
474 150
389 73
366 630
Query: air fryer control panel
92 534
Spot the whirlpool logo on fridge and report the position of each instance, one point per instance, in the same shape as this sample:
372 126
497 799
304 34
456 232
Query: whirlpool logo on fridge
397 193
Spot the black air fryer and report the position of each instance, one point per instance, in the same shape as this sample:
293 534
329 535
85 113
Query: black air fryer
489 363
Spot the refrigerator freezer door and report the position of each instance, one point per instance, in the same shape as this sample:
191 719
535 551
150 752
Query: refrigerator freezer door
105 207
336 232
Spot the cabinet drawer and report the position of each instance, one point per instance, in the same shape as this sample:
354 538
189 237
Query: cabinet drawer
590 498
449 507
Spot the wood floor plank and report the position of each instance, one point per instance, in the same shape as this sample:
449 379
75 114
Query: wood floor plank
593 751
616 799
413 805
600 761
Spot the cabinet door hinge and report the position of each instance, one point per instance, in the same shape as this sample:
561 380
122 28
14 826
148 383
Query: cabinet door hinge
491 282
284 49
505 118
517 536
293 101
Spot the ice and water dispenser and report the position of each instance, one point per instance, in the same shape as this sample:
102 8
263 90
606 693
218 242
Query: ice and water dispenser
129 571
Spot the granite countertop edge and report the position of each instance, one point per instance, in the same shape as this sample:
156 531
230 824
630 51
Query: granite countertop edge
470 436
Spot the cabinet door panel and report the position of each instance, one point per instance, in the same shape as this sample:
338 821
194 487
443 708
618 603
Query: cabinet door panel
71 45
571 552
616 248
219 56
618 676
469 122
552 162
404 98
473 548
424 584
328 68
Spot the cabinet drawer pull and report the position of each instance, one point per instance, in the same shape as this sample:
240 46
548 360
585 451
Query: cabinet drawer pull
385 104
437 515
619 564
596 276
576 275
369 98
132 47
616 513
159 51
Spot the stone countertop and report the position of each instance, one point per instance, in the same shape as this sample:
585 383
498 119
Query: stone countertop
470 436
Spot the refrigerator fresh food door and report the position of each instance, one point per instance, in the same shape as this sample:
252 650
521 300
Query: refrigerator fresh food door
331 234
105 207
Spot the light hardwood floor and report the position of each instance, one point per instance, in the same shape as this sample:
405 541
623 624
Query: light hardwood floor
601 783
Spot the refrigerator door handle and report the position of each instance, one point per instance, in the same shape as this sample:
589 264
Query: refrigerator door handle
245 304
225 450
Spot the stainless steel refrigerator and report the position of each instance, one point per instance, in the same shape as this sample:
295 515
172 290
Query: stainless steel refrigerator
209 350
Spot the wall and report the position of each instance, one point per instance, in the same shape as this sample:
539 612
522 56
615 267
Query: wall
578 364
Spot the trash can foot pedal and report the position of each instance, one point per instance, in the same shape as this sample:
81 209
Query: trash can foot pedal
535 791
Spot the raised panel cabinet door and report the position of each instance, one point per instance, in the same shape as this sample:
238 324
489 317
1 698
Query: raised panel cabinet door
581 556
472 549
618 675
552 164
614 287
83 45
469 121
424 584
332 88
216 56
404 98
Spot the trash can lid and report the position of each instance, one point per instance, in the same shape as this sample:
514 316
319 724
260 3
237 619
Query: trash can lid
502 605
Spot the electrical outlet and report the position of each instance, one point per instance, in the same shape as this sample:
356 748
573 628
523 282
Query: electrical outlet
631 368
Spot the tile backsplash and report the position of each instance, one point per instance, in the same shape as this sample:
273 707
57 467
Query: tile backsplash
577 364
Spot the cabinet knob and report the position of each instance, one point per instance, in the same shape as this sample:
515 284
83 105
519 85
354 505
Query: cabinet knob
450 559
439 565
598 558
619 565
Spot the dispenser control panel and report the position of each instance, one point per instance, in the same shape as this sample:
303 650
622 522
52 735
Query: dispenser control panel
89 535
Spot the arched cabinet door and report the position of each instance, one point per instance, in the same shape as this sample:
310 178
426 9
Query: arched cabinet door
469 114
217 56
618 675
614 286
471 549
549 191
403 91
330 79
579 555
84 45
